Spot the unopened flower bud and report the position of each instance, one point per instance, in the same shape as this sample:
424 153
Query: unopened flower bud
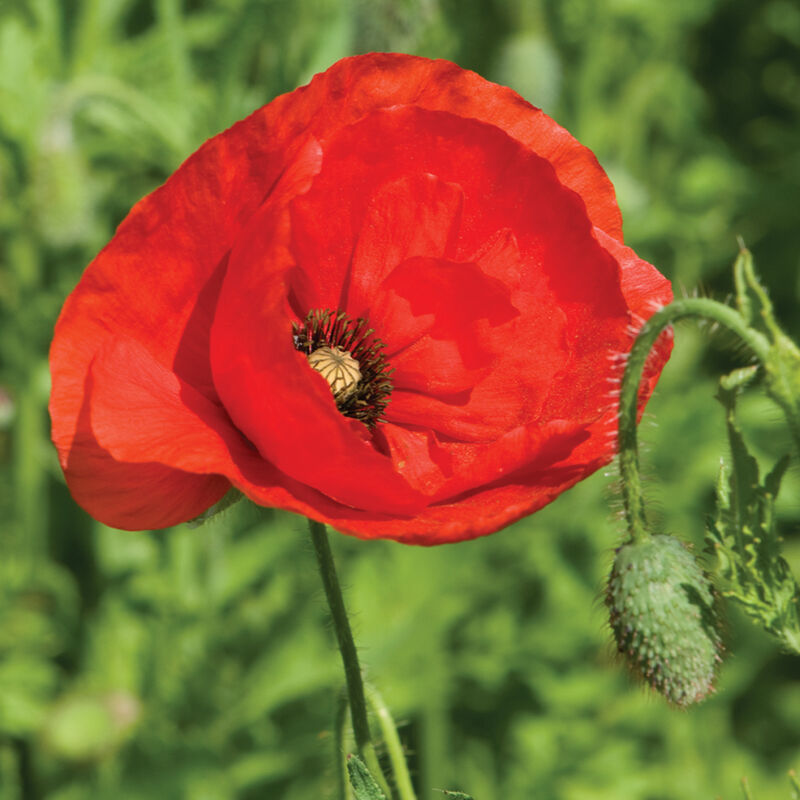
663 617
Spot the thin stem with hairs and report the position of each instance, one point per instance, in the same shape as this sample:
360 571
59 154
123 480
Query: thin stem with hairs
703 307
347 648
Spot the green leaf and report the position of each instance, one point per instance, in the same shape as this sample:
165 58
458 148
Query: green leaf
782 365
752 299
744 539
364 785
456 795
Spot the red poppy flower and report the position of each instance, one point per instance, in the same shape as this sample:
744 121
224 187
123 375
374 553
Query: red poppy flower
390 300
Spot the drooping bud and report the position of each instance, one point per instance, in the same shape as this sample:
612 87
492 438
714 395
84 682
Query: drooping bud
664 618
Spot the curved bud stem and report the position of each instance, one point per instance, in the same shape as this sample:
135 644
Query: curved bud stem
702 307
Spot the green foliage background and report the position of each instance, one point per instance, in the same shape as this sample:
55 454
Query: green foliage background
198 664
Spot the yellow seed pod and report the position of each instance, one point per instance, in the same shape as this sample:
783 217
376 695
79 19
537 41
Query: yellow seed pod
339 368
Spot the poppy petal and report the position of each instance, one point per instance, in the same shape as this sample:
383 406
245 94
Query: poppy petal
356 86
132 496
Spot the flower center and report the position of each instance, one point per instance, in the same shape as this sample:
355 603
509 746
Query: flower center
350 357
338 367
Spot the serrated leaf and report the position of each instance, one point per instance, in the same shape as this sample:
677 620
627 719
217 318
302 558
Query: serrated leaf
365 787
744 539
752 299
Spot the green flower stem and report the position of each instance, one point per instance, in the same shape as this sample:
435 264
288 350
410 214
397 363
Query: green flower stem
650 331
347 647
402 779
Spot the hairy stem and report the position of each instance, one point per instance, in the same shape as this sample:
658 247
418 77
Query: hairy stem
649 333
347 647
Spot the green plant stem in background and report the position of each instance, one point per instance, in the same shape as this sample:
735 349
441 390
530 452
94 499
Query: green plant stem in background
26 777
649 333
402 779
347 647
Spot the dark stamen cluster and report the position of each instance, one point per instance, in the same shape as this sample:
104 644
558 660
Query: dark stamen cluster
325 328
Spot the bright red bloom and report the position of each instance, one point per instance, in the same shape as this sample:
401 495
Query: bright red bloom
479 240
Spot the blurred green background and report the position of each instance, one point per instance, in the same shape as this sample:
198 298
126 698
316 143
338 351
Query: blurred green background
199 664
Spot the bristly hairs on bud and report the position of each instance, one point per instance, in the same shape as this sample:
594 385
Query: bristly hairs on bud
664 618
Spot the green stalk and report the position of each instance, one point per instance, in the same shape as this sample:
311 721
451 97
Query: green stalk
628 444
347 647
394 747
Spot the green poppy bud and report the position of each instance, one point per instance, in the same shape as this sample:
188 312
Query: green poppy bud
664 618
